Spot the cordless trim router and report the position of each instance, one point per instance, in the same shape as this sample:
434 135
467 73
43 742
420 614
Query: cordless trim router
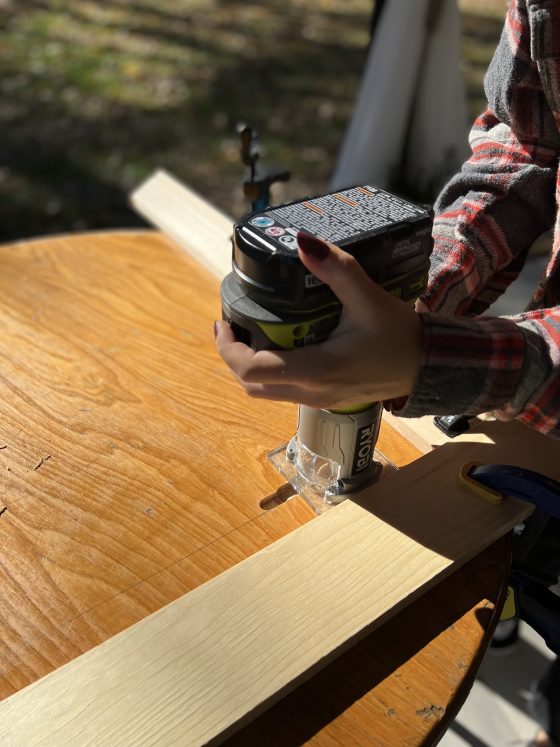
273 302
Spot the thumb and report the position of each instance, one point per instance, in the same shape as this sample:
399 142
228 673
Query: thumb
338 269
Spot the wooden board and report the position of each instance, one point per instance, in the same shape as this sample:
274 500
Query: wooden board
197 669
419 431
108 368
192 222
405 682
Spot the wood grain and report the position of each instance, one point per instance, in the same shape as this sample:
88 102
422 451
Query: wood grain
405 682
153 480
196 670
107 365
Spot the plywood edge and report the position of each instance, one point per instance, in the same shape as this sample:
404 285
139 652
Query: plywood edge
201 667
187 218
425 436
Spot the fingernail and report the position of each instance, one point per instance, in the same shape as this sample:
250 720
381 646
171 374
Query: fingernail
312 245
215 328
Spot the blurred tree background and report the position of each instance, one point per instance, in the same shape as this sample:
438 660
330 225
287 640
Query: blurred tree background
96 95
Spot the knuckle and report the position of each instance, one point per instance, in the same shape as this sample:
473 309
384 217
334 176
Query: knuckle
348 262
247 373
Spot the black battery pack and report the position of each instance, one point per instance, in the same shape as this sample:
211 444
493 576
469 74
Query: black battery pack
270 297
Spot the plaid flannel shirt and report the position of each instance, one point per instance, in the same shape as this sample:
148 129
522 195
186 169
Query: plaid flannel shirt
487 217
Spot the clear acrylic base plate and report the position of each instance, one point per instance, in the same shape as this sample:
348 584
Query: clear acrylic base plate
314 496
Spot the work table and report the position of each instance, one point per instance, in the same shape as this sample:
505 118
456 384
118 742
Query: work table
133 469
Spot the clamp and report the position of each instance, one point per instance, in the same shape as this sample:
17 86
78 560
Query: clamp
495 481
527 598
257 186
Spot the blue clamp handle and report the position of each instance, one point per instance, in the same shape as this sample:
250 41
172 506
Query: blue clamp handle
522 483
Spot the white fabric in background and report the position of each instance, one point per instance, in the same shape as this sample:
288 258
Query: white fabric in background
409 72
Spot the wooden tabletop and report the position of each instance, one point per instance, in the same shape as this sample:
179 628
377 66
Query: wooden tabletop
133 469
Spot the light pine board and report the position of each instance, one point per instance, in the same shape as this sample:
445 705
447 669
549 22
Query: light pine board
419 431
199 668
193 223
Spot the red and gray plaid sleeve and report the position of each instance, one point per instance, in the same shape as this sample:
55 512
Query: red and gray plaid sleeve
506 364
487 217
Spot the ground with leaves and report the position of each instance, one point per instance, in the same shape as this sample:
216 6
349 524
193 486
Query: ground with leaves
95 95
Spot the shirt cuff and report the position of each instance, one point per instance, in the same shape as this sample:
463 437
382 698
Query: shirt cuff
468 366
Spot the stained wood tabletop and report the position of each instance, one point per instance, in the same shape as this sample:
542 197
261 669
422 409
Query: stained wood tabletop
133 469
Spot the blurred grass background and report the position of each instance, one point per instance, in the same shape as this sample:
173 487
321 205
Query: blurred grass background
96 95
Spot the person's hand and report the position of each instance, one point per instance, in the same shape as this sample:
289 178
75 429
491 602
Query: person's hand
373 354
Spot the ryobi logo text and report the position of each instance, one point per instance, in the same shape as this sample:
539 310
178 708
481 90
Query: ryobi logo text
364 447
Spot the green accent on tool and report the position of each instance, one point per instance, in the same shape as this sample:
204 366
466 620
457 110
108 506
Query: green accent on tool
272 301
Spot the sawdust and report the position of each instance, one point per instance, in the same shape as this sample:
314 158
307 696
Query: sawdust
431 710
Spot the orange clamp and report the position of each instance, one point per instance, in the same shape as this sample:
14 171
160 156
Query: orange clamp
493 496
